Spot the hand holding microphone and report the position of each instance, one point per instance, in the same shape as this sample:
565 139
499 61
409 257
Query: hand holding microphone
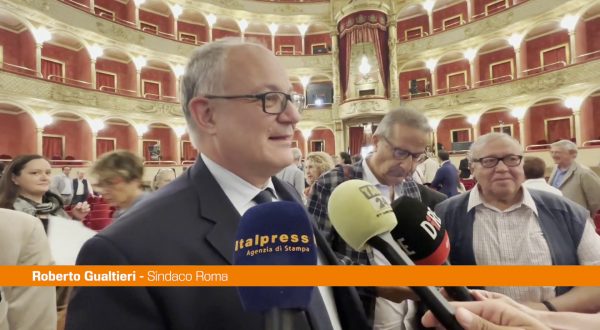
277 233
362 217
421 234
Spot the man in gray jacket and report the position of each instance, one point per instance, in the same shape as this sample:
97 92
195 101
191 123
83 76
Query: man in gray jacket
578 183
292 174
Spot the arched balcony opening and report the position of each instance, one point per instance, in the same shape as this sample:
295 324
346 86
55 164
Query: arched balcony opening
499 120
412 23
227 27
546 48
454 133
588 34
317 40
117 11
298 141
116 73
192 27
548 121
258 32
158 81
17 45
288 40
65 59
590 117
415 80
18 129
495 63
117 134
159 143
453 73
319 92
156 18
449 14
485 8
67 138
188 153
321 139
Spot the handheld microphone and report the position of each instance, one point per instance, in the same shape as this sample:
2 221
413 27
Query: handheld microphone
277 233
423 237
362 217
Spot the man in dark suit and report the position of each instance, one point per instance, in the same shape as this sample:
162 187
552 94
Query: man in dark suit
241 116
446 178
465 170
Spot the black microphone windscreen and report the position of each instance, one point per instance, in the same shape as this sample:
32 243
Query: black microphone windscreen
277 233
420 232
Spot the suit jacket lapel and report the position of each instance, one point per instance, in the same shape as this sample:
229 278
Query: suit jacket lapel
216 208
569 174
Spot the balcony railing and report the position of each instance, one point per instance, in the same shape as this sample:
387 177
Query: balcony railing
494 80
546 67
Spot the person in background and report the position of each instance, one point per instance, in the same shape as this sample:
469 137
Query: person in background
464 168
317 163
25 187
578 183
534 169
82 188
446 178
63 186
119 175
356 158
426 169
292 173
2 166
502 222
23 243
163 177
344 159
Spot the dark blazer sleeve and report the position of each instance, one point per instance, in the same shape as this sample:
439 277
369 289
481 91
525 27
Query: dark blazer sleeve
431 197
112 308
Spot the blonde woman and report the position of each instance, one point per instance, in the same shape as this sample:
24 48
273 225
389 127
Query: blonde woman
317 163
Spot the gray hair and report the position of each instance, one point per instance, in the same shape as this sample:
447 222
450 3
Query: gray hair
204 74
405 116
484 140
565 144
296 153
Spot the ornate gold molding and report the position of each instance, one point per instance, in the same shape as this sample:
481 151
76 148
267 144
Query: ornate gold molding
364 107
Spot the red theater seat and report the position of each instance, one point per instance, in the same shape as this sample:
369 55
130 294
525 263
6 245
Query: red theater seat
100 206
97 224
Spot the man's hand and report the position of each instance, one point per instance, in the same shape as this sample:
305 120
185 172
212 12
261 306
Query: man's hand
80 211
489 314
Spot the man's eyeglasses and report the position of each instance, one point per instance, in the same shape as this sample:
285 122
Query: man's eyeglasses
402 154
508 160
272 102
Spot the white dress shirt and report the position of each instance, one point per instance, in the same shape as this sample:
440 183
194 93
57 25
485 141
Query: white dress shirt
541 184
240 193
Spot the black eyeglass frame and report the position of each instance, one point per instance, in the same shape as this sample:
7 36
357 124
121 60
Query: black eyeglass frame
497 160
263 98
395 150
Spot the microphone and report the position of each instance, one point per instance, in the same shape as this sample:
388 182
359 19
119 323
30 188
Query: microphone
362 217
423 237
277 233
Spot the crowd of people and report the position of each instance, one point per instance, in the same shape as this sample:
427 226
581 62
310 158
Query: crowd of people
234 92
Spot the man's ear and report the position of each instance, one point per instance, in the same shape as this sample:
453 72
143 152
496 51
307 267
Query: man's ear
375 141
202 114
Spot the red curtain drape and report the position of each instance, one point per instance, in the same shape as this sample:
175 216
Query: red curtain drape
106 82
189 153
356 139
52 69
362 27
558 129
553 58
52 147
104 145
151 90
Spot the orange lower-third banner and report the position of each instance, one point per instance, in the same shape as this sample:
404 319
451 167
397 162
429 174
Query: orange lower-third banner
299 275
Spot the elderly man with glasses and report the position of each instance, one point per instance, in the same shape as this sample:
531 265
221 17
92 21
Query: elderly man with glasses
501 222
399 145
